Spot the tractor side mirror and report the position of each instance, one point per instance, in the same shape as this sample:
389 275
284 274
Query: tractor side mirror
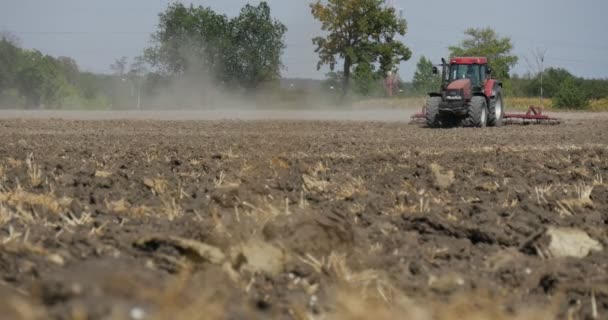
435 70
489 70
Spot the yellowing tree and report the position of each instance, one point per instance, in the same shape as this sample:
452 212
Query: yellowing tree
361 34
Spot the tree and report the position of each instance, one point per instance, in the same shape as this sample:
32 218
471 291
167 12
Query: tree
40 79
120 66
137 73
359 32
596 88
552 82
424 79
257 46
138 68
69 69
365 78
571 96
10 57
536 64
487 43
189 39
193 40
31 79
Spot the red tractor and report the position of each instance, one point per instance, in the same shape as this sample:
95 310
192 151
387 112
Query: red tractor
469 96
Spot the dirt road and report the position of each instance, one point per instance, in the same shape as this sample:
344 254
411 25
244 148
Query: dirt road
290 219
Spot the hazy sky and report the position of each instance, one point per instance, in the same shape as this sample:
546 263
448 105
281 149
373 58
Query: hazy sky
95 32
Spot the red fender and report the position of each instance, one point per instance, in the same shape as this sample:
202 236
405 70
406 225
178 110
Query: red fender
489 87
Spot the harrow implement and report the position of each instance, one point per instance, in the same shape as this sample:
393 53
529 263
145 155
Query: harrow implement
419 117
533 116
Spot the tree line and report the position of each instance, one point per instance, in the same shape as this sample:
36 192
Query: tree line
30 79
196 46
31 76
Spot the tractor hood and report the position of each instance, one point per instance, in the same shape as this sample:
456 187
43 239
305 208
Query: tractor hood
461 87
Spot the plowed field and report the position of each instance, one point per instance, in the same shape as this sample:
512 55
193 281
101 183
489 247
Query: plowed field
150 219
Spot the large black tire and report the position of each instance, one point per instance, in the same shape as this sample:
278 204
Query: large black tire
478 112
432 112
496 111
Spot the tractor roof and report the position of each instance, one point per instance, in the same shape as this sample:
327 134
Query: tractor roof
469 60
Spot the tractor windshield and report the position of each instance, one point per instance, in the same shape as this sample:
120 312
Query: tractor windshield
466 71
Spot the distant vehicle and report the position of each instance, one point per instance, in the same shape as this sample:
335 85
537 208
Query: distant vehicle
468 95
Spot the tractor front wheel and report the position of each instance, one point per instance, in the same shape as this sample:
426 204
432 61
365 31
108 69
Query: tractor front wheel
497 111
478 112
432 112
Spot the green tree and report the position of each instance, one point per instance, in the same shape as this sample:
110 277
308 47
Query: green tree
69 69
31 79
365 78
40 80
359 32
553 79
245 50
257 43
189 39
92 85
10 57
570 96
424 79
485 42
597 88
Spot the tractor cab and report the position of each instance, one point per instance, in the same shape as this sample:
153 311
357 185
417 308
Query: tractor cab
474 69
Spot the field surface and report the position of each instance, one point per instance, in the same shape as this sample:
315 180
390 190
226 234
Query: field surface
293 219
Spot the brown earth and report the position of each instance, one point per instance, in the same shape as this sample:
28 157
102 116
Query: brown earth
139 219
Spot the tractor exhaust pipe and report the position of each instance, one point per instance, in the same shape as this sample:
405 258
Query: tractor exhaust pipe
444 71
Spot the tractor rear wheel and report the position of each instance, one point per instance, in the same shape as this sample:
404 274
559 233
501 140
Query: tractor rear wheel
478 112
432 112
496 111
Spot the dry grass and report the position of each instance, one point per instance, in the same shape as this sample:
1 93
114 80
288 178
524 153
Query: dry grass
170 208
599 105
363 281
475 306
20 197
118 206
511 103
352 187
522 103
103 174
33 171
443 178
157 186
368 293
18 242
6 215
582 200
219 180
312 183
264 212
519 103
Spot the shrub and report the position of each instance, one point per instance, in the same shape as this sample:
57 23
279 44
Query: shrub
570 96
